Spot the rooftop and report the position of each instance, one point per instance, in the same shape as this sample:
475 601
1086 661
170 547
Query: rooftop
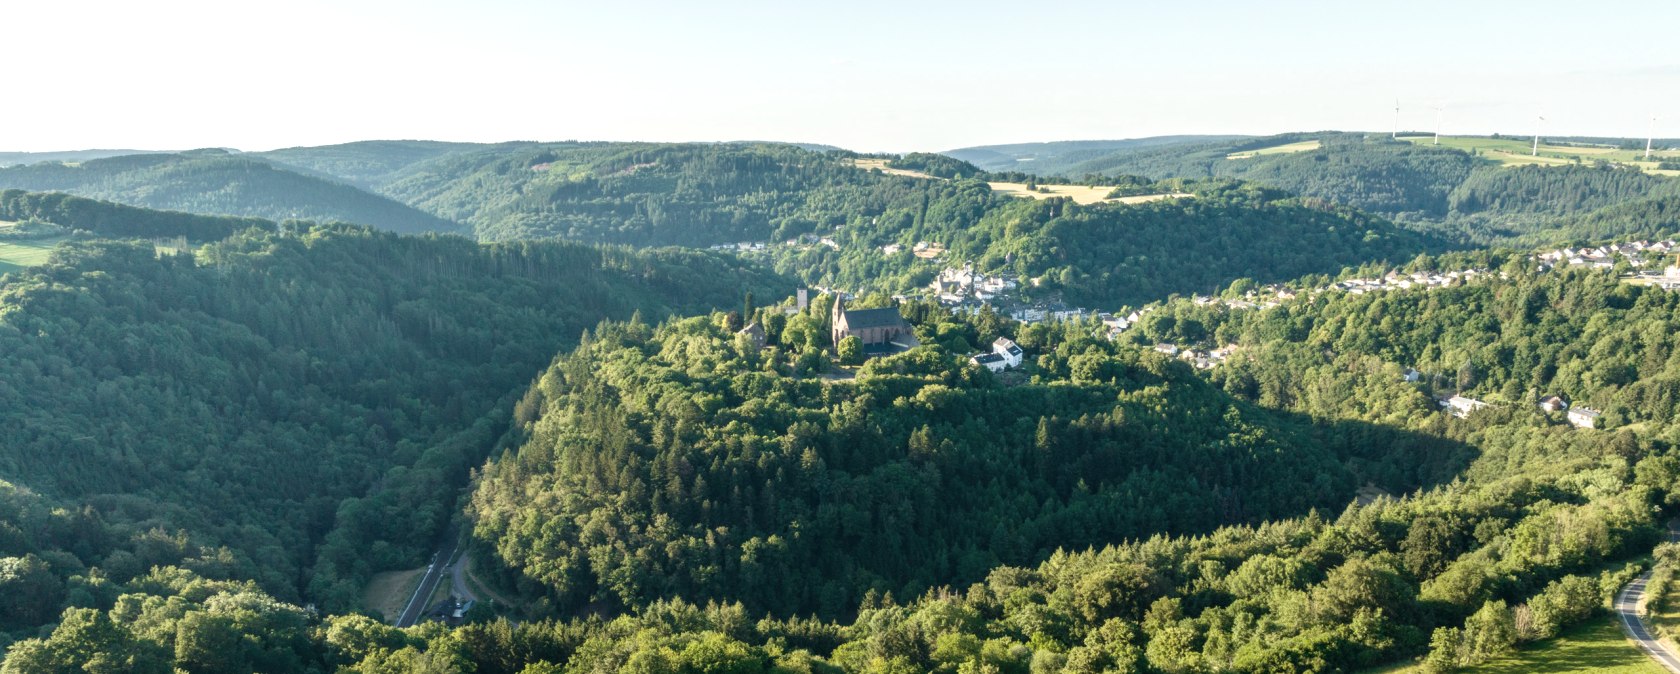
873 318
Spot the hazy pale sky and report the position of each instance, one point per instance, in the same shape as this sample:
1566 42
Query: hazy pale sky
866 75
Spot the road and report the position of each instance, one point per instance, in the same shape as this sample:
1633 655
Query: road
1629 607
418 603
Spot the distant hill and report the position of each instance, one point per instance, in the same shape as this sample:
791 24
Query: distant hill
69 156
366 164
690 194
1054 158
1445 189
118 221
213 182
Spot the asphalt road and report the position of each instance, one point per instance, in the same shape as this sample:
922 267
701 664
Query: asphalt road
1629 605
435 571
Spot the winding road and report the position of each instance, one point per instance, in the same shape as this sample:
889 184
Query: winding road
1630 605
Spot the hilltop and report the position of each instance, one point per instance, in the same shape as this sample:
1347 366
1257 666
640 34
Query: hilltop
1476 190
214 182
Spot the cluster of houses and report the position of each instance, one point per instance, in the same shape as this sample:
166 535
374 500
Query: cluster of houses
741 246
1398 281
1637 253
955 286
1201 360
1579 416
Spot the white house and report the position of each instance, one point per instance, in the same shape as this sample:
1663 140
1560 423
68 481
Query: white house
1008 350
990 361
1462 407
1583 417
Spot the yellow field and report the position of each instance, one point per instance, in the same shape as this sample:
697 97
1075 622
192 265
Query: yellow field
1517 152
1080 194
1287 148
868 164
388 593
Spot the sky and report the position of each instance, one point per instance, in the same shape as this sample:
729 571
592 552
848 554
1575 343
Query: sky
865 75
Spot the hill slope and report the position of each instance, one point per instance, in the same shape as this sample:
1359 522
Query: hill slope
1059 157
216 183
293 407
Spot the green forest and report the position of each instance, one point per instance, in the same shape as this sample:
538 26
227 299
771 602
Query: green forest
293 407
214 182
221 420
673 498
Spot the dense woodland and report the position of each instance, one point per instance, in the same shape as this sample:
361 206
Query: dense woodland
294 407
1532 535
209 450
117 221
213 182
1109 255
685 466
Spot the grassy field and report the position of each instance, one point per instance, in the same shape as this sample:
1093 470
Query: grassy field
1287 148
1516 152
867 164
20 254
1597 646
1666 622
1080 194
388 593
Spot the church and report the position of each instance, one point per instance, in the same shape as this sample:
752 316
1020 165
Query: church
882 331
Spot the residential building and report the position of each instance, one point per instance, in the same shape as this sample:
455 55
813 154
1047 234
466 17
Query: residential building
1008 350
1583 417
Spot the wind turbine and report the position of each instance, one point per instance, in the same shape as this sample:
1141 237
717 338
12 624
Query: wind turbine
1438 109
1537 125
1396 134
1649 135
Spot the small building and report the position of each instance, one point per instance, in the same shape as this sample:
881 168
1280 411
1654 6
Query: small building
1583 417
990 361
1461 406
1007 349
1554 404
755 333
1169 349
1411 376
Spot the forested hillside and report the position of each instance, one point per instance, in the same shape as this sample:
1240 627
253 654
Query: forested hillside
1109 254
643 193
679 460
1057 157
366 164
1438 189
296 407
212 182
118 221
673 462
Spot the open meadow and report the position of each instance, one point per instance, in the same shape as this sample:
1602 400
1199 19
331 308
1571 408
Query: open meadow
1286 148
1596 646
1517 152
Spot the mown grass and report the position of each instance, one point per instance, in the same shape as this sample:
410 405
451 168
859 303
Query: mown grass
388 593
20 254
1286 148
1516 152
1596 646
